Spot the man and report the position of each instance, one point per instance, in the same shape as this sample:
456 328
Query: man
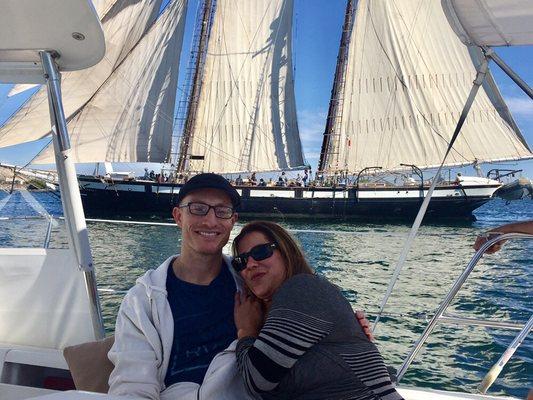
146 175
178 317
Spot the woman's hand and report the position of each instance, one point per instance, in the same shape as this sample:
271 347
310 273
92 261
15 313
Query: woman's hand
365 324
248 314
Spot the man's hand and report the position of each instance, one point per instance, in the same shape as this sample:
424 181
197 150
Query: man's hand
482 239
248 314
525 227
365 324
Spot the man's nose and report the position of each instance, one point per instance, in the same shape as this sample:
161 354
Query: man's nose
210 218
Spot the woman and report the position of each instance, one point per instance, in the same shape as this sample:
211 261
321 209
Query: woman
298 338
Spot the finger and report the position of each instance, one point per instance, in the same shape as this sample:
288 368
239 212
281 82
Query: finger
361 316
494 248
368 333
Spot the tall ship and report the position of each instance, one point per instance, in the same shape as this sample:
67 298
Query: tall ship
401 81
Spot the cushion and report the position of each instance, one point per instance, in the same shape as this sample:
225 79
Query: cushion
89 366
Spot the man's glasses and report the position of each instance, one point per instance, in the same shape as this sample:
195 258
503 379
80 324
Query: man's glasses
258 253
202 209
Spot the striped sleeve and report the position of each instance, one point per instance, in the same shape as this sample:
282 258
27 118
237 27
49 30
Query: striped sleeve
285 337
369 367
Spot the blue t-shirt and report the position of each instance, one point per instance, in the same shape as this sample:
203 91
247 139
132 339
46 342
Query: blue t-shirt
203 324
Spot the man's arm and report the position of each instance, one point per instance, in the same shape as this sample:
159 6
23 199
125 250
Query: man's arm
516 227
136 353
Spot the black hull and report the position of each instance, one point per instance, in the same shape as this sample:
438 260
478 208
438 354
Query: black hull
147 200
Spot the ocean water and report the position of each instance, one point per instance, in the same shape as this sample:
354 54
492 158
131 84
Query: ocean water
360 259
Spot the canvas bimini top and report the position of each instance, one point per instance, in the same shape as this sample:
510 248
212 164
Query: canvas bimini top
69 28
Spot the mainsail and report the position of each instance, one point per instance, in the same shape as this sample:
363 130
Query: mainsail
245 119
405 84
130 117
124 22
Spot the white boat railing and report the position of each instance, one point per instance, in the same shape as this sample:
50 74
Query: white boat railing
441 317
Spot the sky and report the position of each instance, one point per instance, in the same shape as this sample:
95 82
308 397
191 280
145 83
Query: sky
316 36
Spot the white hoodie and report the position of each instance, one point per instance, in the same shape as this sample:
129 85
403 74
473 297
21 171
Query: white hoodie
143 340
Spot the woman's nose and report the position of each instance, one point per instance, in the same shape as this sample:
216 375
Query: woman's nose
251 263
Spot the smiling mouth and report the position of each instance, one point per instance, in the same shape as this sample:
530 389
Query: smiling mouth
207 233
258 276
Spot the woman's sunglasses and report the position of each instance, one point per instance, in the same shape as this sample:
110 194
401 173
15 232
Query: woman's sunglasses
258 253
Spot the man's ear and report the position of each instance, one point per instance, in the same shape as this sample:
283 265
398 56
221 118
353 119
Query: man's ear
235 217
176 214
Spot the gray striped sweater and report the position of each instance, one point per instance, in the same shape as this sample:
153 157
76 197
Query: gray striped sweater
311 347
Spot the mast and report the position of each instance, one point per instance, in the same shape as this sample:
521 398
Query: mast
205 25
330 141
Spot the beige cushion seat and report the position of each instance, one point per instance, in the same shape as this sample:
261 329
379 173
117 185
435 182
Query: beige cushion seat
89 366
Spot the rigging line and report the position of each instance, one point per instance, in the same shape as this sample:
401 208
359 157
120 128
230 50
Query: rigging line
227 156
130 85
106 81
483 69
234 86
223 154
418 11
38 154
24 103
281 91
33 97
444 98
382 46
269 48
259 94
364 43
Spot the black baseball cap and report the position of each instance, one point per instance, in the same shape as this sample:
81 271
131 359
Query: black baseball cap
209 181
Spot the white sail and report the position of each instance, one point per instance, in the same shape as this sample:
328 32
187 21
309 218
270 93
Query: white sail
491 22
101 7
407 79
124 23
130 118
246 116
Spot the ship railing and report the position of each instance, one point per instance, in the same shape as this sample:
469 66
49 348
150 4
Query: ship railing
441 317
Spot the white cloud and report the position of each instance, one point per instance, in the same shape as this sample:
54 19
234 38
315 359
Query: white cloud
520 107
312 124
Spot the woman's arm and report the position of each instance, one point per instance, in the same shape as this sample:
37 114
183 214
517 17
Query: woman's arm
292 327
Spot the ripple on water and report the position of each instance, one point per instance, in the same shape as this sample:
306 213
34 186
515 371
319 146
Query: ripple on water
360 259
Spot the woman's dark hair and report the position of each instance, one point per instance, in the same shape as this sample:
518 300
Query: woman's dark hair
288 246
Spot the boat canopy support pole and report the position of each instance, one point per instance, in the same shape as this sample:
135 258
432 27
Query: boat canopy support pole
70 193
490 53
482 72
440 317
